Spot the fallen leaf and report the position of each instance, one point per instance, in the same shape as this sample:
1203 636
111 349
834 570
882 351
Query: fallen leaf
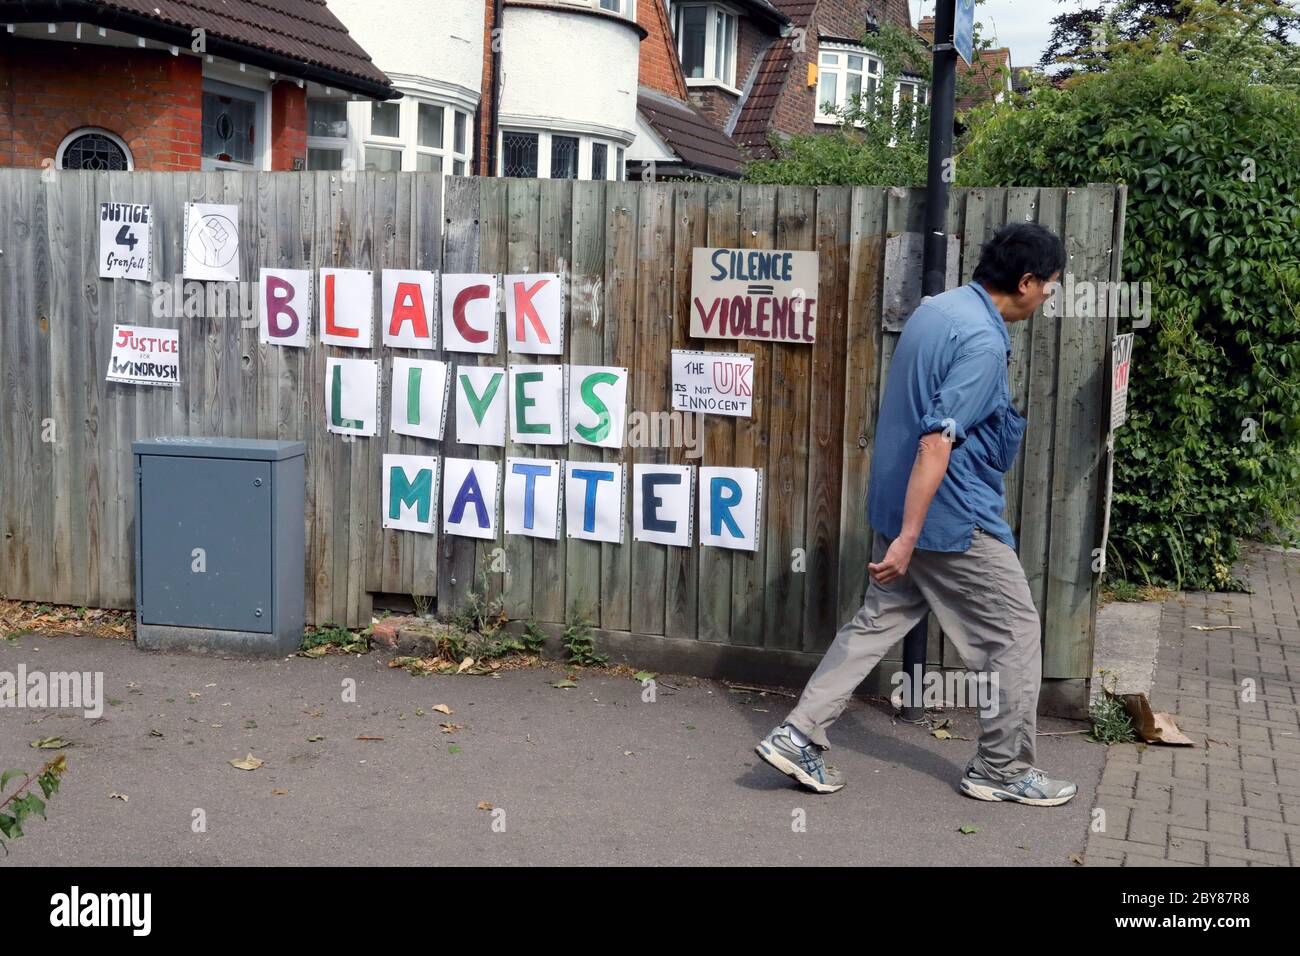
250 725
465 665
1075 859
318 651
453 749
50 743
564 683
279 793
195 695
155 732
247 763
364 737
967 828
628 753
419 712
449 728
118 796
442 709
315 737
643 676
941 734
484 805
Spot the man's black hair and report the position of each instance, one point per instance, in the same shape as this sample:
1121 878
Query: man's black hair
1016 249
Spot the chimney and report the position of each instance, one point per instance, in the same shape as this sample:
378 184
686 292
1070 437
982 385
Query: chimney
926 29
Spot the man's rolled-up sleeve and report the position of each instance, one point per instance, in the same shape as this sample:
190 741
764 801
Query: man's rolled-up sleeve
967 395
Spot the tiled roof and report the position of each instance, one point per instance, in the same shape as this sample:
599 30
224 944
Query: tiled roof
699 144
986 76
304 31
755 120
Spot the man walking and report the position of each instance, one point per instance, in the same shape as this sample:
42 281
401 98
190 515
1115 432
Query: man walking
947 434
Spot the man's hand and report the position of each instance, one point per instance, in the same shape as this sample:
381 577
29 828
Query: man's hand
894 566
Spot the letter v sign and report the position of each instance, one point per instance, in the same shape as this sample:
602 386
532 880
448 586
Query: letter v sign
479 405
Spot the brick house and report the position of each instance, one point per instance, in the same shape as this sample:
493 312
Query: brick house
752 70
171 84
989 77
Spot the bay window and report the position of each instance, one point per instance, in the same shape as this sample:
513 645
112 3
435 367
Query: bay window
842 75
544 154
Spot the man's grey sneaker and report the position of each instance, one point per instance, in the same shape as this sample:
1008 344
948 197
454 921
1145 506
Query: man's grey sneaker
805 764
1034 788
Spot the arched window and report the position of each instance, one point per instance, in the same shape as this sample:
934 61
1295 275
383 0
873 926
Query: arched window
92 148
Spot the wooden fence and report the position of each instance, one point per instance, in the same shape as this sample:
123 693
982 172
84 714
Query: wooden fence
65 433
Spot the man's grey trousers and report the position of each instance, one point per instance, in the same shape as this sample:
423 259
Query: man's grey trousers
981 600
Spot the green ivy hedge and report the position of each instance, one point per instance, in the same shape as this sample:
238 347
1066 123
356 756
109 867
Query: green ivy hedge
1211 451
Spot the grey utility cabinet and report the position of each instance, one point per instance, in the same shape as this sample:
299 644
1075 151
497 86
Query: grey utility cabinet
219 545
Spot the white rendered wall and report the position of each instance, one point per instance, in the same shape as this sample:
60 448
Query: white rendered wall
569 71
436 40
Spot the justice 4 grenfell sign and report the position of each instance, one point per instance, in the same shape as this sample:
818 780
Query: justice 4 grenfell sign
764 294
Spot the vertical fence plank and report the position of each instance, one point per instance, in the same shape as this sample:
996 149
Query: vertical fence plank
555 220
422 249
681 567
757 230
648 388
718 437
586 345
862 342
785 483
622 211
1077 464
460 254
826 418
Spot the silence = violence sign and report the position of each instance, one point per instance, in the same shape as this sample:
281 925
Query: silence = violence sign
764 294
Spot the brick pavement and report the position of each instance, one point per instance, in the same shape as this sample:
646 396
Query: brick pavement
1233 799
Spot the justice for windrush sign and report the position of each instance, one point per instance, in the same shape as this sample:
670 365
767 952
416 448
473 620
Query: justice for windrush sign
764 294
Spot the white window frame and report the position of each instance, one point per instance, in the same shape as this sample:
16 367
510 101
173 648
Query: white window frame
81 131
613 152
261 96
713 11
336 144
407 141
873 68
920 96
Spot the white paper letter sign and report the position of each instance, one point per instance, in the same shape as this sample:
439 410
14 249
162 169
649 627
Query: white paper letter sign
469 497
143 356
537 405
718 382
469 313
730 499
661 503
419 397
754 294
211 242
480 405
411 493
347 307
352 396
535 313
408 299
124 246
285 299
597 405
532 497
593 500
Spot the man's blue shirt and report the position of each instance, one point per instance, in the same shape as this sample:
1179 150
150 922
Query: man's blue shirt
948 374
